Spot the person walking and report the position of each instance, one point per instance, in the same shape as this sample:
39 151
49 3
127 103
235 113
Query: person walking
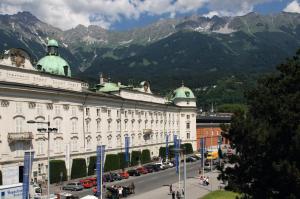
133 188
171 188
178 195
173 194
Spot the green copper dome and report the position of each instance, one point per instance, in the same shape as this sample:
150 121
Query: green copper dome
109 87
52 42
52 62
183 92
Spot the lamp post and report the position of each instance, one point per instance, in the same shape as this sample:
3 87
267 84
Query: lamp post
48 130
179 151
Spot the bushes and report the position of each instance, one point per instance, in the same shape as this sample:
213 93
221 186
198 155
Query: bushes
145 157
188 148
92 165
78 168
162 152
135 158
123 163
57 167
111 162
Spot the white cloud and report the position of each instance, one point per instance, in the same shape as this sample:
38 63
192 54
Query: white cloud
67 14
294 6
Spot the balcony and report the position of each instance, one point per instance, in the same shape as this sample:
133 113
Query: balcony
22 136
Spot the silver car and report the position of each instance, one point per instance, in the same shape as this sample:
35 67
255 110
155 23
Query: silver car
73 186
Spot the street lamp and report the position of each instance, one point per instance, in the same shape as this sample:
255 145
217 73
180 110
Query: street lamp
48 130
179 151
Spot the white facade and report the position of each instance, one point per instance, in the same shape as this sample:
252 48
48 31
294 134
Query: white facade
84 119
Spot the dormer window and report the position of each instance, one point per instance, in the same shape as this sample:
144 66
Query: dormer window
52 50
66 70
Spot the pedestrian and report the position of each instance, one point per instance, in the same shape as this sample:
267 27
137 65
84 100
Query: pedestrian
207 181
201 180
133 187
171 189
178 195
173 194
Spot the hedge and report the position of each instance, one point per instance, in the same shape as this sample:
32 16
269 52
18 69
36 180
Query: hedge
145 157
1 177
92 165
135 157
188 148
112 162
123 163
56 167
78 168
162 152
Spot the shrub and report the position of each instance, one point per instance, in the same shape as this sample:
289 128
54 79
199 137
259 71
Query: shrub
123 163
188 148
112 162
135 157
145 157
162 152
92 165
57 167
78 168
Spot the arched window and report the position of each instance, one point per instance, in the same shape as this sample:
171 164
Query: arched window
74 122
74 144
19 124
57 124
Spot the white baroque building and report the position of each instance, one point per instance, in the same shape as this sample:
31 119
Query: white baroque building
84 118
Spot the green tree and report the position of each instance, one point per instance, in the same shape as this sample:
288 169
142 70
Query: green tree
145 157
135 157
267 137
92 165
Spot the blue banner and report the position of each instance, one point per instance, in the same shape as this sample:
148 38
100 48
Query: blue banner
174 139
127 142
28 159
177 147
202 146
100 167
167 146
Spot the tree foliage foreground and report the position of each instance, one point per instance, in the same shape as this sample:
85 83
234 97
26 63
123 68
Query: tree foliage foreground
267 137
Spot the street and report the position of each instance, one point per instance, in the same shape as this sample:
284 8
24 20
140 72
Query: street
151 181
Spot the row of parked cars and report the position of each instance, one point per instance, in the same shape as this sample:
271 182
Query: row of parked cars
112 176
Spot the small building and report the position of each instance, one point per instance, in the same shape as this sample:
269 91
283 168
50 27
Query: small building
208 127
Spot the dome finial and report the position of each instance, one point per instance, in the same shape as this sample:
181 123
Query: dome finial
182 83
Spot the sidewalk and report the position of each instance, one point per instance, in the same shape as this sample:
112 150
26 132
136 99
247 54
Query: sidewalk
193 188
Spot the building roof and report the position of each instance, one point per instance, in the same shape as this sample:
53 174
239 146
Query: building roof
183 92
55 65
109 87
52 42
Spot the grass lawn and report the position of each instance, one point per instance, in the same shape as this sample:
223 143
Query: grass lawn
221 195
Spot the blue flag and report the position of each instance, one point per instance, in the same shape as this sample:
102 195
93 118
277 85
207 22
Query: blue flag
127 142
202 150
28 159
167 146
100 167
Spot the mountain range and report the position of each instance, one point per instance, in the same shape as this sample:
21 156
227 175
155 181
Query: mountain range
203 52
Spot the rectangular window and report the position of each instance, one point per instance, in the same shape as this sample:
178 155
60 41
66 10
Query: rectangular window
187 117
98 112
98 125
108 113
118 113
87 111
39 108
188 125
187 135
57 110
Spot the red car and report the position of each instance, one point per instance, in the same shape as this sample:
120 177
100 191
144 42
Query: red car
142 170
86 183
93 180
124 175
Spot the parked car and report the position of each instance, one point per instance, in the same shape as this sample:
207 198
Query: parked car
190 159
93 180
142 170
154 167
149 168
168 164
196 156
161 166
73 186
133 172
116 176
86 183
124 174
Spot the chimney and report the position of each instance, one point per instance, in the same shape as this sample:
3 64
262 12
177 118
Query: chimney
101 79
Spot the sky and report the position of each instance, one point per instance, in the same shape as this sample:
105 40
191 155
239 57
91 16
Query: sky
128 14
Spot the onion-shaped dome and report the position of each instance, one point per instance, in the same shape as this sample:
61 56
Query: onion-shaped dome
52 62
183 93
